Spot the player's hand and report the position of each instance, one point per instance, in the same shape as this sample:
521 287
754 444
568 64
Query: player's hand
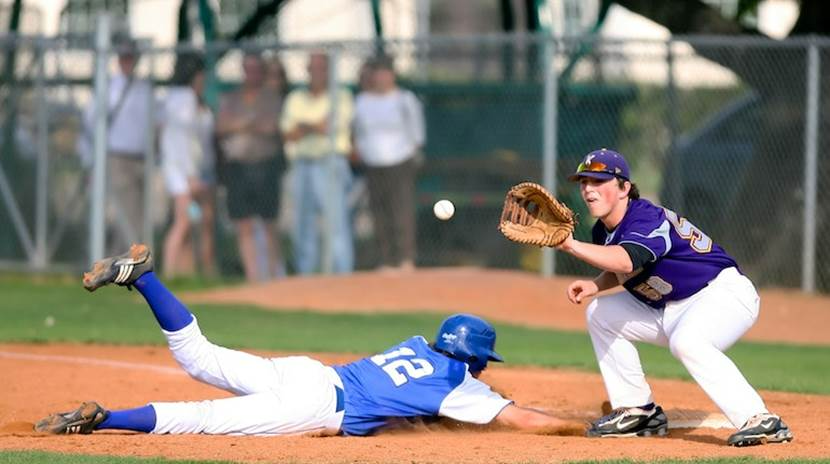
566 244
579 290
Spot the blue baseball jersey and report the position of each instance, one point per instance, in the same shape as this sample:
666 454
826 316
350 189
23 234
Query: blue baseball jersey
683 259
412 380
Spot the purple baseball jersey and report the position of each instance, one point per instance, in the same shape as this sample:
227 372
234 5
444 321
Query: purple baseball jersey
684 259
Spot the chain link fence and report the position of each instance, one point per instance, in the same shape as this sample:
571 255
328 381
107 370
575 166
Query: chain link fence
719 129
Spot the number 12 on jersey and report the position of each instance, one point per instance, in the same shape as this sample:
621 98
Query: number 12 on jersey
414 368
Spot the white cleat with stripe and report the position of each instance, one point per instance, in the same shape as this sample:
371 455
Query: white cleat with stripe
80 421
122 270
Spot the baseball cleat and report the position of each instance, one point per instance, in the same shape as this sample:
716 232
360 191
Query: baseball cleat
122 270
631 422
80 421
760 429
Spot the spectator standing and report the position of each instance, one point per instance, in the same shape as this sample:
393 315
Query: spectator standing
389 135
276 80
248 130
321 175
129 118
188 164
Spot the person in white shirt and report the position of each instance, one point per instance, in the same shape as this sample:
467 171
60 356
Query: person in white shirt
389 134
188 163
129 121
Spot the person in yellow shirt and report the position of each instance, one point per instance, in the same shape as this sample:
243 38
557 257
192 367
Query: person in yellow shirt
316 131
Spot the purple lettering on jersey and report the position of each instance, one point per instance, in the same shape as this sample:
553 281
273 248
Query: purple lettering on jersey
684 259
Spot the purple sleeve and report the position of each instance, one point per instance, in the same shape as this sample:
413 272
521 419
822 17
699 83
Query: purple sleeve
649 233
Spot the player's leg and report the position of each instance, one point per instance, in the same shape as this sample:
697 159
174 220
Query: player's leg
259 413
91 416
235 371
614 323
309 399
701 328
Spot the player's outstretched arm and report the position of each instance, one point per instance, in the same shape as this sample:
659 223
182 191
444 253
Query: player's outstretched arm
520 418
611 258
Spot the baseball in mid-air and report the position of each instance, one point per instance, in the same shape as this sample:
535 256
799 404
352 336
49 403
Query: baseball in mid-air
443 209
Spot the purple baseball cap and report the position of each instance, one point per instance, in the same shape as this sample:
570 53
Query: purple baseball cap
602 164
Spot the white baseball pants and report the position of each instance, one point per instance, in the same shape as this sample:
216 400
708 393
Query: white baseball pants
277 396
697 330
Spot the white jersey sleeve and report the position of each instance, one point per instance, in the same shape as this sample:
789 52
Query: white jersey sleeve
473 401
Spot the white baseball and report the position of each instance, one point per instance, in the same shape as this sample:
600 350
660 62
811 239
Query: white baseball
443 209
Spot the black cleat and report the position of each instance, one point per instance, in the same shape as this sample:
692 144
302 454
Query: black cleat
631 422
760 429
122 270
82 420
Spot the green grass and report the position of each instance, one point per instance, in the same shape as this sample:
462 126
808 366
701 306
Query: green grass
39 457
114 316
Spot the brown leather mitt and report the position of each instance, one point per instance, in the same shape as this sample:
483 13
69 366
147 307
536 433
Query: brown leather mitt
533 216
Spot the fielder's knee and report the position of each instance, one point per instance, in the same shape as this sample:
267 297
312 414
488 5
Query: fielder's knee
684 345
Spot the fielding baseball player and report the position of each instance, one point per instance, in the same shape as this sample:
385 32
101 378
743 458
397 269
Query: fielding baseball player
683 291
294 395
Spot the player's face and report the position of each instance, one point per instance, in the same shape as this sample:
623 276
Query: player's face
601 196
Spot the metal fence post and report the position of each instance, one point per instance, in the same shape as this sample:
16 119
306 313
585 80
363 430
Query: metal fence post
97 199
149 156
673 125
808 259
329 226
549 137
42 183
422 48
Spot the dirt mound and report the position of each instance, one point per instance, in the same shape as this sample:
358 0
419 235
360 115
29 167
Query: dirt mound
507 296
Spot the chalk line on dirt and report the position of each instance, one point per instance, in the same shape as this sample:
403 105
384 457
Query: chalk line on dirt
91 361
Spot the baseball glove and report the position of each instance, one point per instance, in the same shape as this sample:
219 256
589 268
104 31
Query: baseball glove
531 215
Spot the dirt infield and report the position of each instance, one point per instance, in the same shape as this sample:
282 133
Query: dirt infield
39 379
43 379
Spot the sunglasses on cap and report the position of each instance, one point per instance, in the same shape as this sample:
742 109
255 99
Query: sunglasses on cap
594 166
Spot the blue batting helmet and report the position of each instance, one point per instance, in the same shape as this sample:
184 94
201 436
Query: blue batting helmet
469 339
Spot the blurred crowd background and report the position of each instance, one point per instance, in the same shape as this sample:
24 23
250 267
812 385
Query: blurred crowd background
257 158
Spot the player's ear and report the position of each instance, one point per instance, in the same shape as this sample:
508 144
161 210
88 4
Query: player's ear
625 187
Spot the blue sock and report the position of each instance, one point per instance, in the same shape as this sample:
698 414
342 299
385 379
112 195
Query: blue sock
647 407
170 313
141 419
